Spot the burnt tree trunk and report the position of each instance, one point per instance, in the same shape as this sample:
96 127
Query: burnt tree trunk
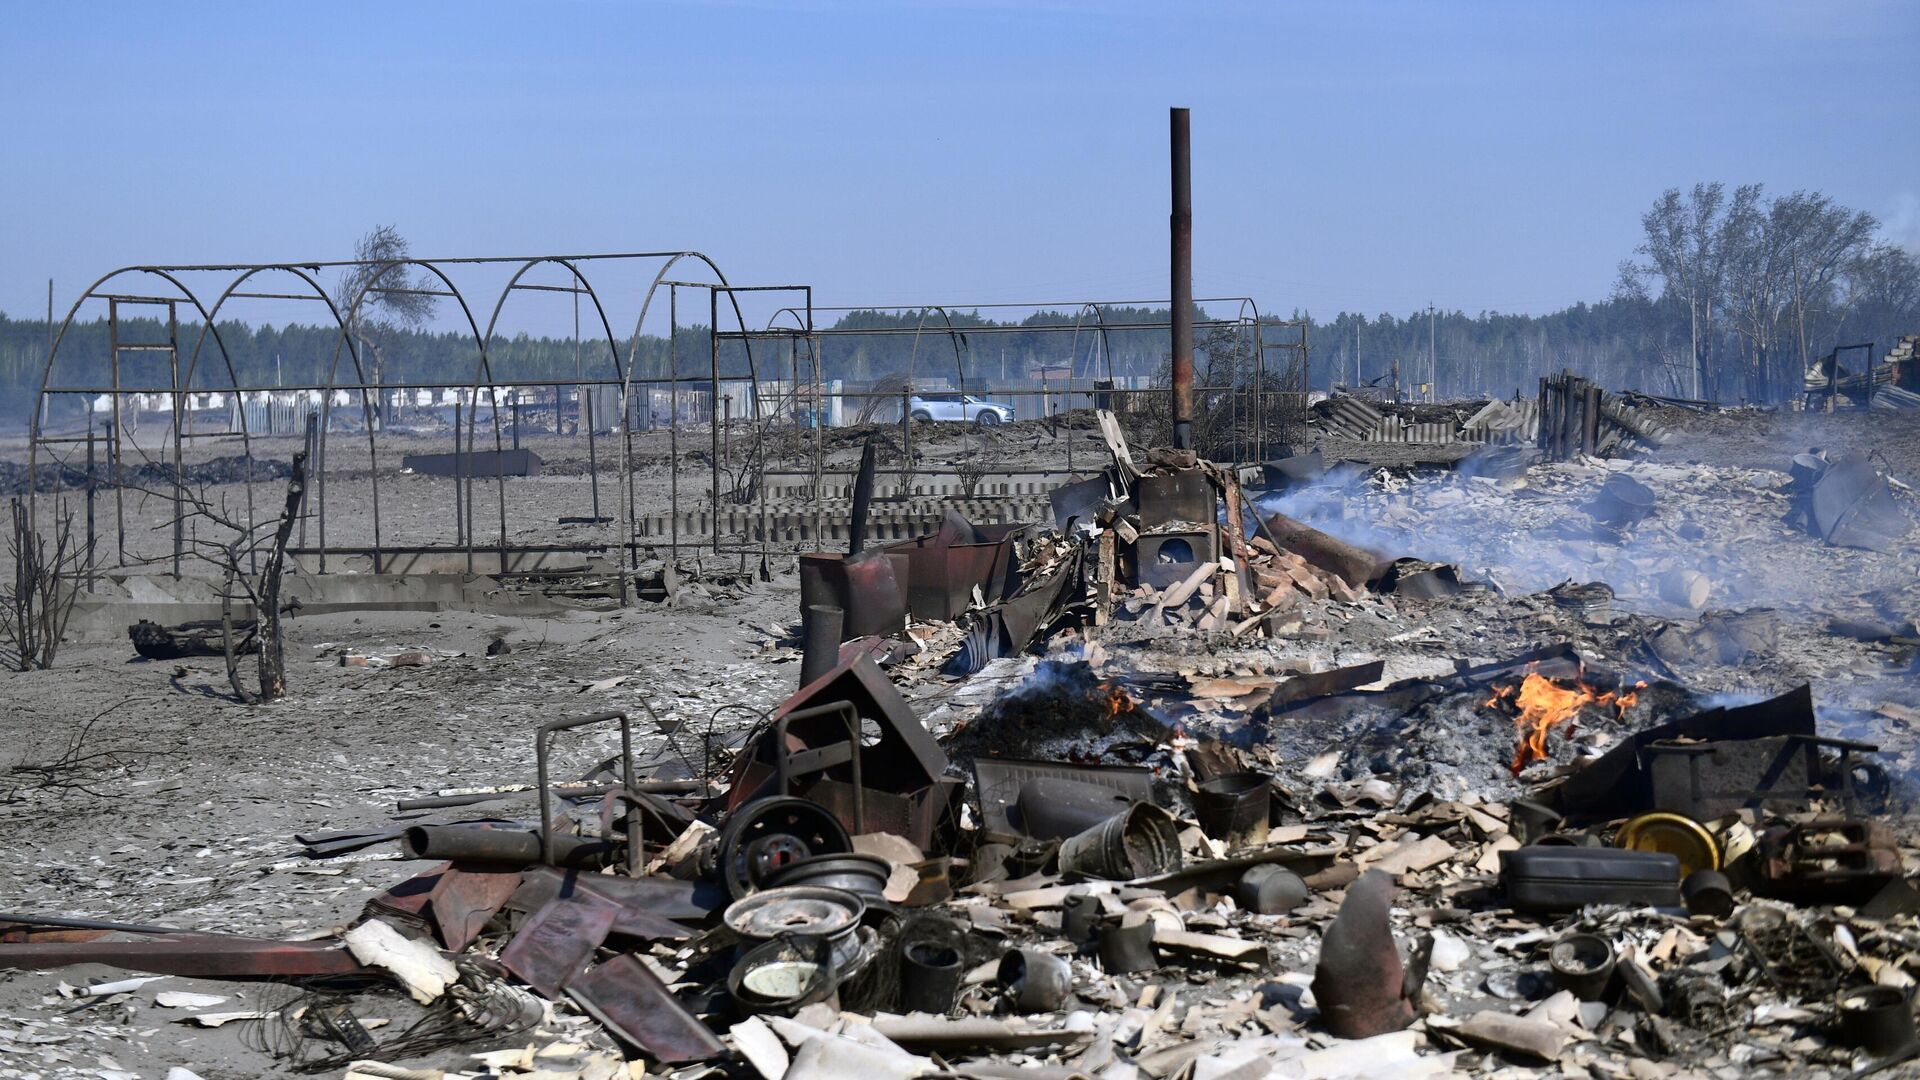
240 691
273 659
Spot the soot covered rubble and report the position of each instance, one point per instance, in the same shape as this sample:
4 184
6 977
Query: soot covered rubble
1196 781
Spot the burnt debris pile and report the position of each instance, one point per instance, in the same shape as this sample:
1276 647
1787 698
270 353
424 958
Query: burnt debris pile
1179 784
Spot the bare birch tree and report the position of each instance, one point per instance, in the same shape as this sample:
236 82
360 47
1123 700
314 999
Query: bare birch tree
379 295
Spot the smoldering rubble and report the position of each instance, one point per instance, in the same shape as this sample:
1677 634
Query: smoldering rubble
1316 769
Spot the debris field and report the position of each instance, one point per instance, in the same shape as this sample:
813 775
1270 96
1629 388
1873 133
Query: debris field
1589 759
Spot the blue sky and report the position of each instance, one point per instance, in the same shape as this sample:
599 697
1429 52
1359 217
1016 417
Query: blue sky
1370 156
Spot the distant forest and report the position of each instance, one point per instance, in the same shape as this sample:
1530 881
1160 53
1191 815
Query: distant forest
1729 296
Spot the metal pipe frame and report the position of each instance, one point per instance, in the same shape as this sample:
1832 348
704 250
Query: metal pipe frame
794 325
483 384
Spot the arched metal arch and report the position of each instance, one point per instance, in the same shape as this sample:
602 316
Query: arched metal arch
626 393
35 432
483 373
1106 343
617 372
580 281
346 340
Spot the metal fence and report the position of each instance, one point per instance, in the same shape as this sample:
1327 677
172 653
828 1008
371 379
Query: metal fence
768 379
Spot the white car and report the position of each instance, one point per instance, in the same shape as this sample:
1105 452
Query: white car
956 406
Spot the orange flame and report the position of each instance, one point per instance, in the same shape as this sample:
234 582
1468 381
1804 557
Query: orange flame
1113 699
1541 704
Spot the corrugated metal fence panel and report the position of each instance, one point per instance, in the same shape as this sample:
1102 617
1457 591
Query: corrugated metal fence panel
1433 431
1651 430
1354 419
1892 398
1388 430
1394 430
1511 422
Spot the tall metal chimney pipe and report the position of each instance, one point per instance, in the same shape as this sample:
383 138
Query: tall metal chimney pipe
1180 222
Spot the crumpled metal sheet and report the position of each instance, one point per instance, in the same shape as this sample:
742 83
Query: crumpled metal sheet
191 955
555 945
1853 507
466 898
636 1006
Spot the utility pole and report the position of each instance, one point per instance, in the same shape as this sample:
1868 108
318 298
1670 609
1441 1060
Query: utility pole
44 414
1433 365
1693 368
1358 378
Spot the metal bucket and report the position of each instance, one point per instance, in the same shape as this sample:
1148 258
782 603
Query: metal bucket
1623 501
1708 892
1234 807
1270 890
1582 965
1035 981
1140 842
1126 949
1878 1019
929 977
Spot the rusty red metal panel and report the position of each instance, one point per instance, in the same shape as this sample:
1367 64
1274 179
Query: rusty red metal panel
465 898
638 1008
651 907
191 955
408 900
907 756
558 941
866 588
943 569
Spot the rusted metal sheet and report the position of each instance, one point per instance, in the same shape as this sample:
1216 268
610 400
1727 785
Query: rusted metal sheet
1079 500
639 1009
1176 496
1322 683
1853 506
465 898
944 569
558 941
902 773
1012 624
191 955
906 754
1619 783
453 900
407 901
917 815
651 908
866 589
